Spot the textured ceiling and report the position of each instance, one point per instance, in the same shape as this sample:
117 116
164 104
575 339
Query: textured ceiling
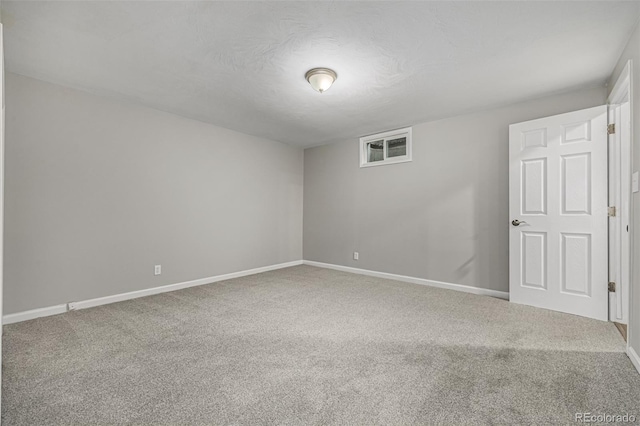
241 65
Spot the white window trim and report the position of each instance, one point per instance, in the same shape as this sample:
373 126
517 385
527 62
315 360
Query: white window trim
407 131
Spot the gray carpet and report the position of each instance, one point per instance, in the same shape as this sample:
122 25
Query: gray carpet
306 345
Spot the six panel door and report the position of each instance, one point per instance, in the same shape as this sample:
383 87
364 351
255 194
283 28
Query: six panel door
558 240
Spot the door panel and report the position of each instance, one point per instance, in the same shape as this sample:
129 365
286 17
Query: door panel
534 265
534 186
576 184
558 190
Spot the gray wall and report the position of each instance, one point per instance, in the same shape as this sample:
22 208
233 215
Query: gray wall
632 51
98 192
443 216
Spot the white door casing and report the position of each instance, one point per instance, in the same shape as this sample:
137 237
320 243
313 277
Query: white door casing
614 197
558 188
620 155
619 195
623 137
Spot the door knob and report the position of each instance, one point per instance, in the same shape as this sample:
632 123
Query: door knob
516 222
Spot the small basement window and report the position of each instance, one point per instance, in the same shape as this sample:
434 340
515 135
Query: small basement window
386 148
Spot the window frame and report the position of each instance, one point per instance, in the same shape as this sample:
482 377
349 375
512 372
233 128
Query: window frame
386 137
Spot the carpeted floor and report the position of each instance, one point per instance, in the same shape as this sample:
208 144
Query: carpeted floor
306 345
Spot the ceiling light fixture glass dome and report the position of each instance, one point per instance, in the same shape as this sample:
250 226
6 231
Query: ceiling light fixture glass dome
321 78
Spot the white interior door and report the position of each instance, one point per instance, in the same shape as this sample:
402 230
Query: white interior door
558 208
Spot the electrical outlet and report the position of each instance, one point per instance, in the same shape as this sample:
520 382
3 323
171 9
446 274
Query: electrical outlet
157 270
356 255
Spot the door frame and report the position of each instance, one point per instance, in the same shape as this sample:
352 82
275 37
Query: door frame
621 94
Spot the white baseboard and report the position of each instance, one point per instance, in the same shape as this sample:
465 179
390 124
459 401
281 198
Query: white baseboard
71 306
172 287
34 313
633 356
413 280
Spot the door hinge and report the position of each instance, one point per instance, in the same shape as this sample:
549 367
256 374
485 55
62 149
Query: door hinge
612 287
611 128
612 211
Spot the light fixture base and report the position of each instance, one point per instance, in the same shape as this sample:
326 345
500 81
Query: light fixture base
321 78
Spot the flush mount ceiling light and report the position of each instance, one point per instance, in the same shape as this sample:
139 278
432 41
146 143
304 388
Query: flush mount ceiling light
321 78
